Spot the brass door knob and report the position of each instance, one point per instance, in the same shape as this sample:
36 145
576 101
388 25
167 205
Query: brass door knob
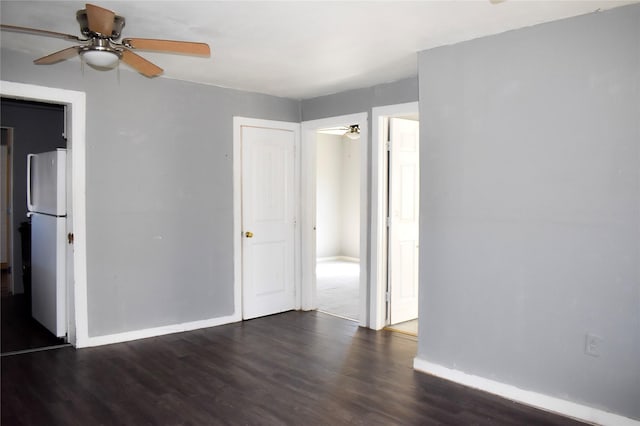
248 234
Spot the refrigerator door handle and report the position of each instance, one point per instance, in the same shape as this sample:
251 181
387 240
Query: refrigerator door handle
30 206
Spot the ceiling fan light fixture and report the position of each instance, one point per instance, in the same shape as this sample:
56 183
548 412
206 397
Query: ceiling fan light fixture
100 58
353 132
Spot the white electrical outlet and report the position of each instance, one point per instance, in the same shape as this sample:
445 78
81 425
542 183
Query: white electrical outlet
592 345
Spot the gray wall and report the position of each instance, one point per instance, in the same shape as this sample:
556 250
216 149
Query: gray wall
159 191
360 100
530 208
328 200
36 128
350 197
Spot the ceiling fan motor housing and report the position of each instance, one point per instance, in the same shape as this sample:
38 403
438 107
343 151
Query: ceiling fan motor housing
101 45
118 25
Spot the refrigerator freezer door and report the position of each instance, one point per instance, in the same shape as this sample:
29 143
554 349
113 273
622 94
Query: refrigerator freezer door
46 187
48 278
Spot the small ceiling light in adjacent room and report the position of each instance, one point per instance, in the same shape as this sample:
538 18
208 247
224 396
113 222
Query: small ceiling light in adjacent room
100 58
353 132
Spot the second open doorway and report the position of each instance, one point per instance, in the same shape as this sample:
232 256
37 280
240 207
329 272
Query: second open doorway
334 216
395 223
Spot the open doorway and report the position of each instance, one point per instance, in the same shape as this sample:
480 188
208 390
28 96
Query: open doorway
76 255
334 216
338 221
395 230
403 189
21 323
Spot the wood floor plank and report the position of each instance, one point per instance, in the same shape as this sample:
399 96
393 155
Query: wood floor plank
288 369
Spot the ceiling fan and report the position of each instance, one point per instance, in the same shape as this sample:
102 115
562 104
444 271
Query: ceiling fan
99 48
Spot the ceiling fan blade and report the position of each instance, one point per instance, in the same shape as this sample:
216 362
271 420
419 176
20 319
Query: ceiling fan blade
35 31
140 64
58 56
100 20
185 47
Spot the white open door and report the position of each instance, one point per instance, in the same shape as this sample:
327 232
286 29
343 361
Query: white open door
268 221
404 185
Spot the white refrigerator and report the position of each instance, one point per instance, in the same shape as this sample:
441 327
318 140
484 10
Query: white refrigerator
46 202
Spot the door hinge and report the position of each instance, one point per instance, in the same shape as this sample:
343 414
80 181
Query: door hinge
388 222
387 297
70 237
387 146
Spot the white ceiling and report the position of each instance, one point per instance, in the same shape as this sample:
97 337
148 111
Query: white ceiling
293 49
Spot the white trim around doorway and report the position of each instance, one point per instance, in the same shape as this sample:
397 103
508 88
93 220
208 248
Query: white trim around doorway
308 210
77 314
378 265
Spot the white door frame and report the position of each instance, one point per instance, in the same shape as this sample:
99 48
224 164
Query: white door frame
308 218
238 123
378 270
75 102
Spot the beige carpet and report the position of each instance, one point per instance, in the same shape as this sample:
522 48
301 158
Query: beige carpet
338 288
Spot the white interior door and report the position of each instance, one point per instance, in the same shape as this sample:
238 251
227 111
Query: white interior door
404 185
268 221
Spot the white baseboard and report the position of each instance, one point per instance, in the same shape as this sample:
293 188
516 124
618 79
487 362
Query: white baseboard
334 258
157 331
534 399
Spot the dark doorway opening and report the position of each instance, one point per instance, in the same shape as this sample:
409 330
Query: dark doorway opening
27 127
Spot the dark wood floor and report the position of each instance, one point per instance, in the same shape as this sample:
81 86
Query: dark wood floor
294 368
19 330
